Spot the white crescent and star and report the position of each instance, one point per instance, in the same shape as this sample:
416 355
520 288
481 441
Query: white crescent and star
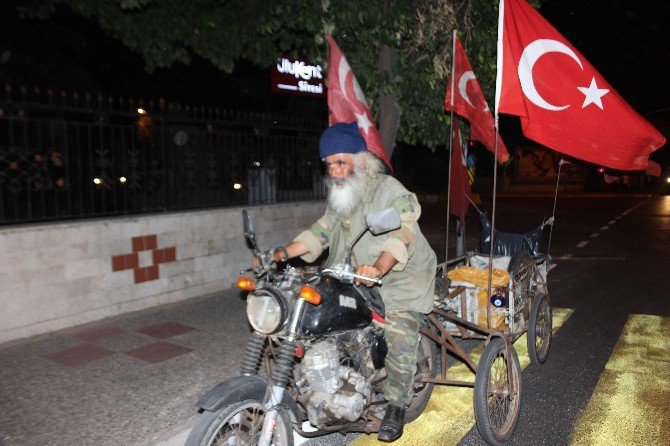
463 84
363 121
531 54
593 94
342 72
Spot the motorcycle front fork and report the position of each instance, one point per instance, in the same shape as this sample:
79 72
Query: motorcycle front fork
271 413
282 374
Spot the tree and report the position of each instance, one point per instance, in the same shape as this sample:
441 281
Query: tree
399 50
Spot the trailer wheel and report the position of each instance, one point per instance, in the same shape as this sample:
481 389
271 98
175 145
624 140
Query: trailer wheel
497 396
539 329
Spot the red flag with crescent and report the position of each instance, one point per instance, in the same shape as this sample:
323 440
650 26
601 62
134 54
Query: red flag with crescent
347 102
563 102
459 184
470 103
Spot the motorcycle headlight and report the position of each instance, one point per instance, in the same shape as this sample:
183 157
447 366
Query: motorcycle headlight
266 310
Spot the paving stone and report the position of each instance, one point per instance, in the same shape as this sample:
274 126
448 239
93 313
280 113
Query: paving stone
165 330
79 355
158 352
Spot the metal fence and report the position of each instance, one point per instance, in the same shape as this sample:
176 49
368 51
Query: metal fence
65 156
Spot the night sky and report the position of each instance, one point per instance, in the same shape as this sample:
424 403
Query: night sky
627 41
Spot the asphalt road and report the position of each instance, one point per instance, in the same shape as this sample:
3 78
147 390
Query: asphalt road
621 271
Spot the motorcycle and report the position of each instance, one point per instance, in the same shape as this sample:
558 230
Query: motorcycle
314 363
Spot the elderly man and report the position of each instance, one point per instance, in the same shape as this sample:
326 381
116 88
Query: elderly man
356 186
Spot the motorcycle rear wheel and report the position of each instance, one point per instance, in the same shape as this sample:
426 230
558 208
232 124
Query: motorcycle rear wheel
239 424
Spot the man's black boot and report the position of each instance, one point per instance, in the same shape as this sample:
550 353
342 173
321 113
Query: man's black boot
392 424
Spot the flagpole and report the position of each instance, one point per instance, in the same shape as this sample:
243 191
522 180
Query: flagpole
451 141
553 212
501 15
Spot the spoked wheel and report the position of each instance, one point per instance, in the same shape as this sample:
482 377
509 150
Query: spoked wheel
539 329
239 424
497 392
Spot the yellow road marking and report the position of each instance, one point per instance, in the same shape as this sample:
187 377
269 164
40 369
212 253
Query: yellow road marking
450 413
631 403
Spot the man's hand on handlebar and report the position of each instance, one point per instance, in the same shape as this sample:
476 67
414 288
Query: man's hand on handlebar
274 255
383 265
368 271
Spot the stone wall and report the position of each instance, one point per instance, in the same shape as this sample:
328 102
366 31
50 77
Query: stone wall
62 274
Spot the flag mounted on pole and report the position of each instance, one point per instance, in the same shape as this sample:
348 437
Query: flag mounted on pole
468 101
563 102
347 102
653 169
460 186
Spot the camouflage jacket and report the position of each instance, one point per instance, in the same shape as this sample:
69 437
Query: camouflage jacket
410 284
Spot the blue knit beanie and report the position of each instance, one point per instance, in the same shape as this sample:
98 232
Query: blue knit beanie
341 138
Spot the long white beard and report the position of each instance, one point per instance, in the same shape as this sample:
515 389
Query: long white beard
344 195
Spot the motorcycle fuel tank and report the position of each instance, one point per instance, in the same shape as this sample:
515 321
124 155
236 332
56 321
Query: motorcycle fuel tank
341 308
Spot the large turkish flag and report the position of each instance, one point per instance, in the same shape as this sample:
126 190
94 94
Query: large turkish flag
563 102
470 103
347 102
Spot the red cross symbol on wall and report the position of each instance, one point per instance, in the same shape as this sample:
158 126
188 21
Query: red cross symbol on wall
145 251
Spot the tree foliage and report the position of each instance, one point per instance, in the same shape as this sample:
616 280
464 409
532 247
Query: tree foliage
226 31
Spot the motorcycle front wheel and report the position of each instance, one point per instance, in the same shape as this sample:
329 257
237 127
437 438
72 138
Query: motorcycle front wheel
239 424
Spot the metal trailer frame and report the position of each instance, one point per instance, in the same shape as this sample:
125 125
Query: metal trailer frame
527 284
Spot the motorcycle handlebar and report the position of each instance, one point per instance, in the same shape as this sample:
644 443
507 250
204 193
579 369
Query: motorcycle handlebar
345 275
375 280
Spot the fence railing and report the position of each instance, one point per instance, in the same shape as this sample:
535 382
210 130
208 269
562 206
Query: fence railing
72 156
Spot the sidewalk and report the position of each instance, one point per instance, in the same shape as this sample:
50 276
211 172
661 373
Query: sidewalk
128 380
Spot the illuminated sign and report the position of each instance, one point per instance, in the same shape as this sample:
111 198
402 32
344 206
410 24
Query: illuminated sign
297 77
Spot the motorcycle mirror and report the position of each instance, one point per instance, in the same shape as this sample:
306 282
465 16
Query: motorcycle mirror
377 222
383 221
249 231
248 226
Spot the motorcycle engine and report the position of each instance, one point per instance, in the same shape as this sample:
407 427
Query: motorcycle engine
331 391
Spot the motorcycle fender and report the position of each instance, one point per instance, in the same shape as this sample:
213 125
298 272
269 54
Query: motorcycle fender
240 388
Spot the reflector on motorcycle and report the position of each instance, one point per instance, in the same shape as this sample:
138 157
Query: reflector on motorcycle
246 283
310 295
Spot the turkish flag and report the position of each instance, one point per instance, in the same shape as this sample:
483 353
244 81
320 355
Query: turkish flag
459 184
653 169
347 102
469 102
563 102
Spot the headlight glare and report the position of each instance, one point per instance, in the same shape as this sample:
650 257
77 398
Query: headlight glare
266 311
